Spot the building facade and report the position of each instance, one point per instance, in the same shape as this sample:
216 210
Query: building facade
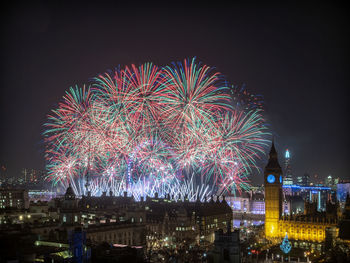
308 227
14 198
273 194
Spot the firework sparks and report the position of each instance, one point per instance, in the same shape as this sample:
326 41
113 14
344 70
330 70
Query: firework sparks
151 129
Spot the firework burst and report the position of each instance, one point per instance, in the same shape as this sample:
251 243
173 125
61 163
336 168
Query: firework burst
154 129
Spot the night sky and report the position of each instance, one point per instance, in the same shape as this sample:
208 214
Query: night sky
297 57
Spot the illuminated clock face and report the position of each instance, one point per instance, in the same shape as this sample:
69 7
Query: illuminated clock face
271 178
280 178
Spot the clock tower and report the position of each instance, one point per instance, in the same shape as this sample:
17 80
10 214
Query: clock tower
273 194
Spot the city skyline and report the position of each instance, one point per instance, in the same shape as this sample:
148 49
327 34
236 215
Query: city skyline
298 67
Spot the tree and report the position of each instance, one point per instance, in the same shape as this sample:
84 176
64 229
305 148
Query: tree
286 245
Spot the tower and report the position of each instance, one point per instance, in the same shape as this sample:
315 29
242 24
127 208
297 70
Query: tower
69 213
288 177
273 194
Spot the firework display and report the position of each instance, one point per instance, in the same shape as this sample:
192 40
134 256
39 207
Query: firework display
178 129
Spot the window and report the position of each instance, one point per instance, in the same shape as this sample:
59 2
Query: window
64 218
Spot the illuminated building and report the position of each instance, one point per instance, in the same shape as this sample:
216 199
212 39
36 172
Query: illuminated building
304 230
167 220
273 194
184 220
32 175
303 180
14 198
329 181
343 189
41 195
288 177
247 202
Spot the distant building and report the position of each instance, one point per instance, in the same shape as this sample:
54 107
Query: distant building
329 181
14 198
247 202
288 177
318 193
32 175
343 189
304 180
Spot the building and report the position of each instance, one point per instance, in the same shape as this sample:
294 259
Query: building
226 247
182 220
344 230
329 181
273 194
343 189
165 221
247 202
14 198
69 212
32 175
304 180
304 230
288 177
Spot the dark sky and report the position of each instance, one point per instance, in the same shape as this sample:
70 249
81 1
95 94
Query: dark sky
297 57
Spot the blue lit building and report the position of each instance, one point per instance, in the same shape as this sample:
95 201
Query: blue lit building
343 188
288 177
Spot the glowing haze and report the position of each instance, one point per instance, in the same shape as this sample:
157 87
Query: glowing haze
178 129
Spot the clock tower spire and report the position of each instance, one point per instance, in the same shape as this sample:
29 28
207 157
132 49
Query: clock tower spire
273 194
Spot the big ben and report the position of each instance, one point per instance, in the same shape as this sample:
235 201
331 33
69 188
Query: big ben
273 194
